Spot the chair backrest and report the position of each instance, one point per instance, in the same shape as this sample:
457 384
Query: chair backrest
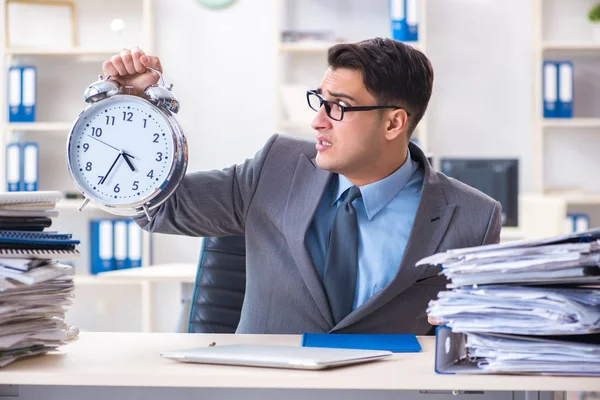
220 286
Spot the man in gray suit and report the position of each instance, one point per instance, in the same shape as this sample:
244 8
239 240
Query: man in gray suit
287 200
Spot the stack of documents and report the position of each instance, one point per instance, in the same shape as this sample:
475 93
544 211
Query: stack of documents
35 289
522 307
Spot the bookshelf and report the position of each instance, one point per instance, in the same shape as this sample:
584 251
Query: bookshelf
561 32
63 72
301 65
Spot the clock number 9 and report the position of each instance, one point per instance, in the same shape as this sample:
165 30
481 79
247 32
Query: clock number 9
86 147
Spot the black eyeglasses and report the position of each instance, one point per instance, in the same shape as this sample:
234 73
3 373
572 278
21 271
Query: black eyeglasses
335 110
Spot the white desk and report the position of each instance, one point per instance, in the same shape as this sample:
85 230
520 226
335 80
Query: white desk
131 360
185 273
145 276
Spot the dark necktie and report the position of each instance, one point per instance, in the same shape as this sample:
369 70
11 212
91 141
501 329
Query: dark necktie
341 260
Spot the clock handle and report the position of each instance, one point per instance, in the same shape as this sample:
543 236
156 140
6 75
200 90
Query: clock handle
162 80
161 95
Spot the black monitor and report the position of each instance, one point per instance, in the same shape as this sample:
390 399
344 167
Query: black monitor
498 178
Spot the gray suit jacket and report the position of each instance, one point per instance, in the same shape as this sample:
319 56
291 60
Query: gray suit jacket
272 198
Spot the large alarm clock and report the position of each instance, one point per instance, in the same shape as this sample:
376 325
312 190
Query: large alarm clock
127 154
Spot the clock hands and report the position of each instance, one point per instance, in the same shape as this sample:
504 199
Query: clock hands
125 154
103 142
128 161
111 167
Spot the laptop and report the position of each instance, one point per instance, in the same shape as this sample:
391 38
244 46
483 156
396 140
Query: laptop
276 356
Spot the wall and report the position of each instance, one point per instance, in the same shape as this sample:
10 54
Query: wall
222 64
482 100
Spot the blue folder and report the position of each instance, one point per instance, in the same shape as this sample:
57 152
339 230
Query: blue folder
394 342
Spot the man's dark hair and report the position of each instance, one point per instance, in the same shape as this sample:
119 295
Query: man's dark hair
393 72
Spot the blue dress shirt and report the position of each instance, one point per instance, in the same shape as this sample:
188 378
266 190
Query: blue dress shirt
386 213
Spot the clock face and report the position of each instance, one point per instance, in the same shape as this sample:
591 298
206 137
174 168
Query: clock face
121 150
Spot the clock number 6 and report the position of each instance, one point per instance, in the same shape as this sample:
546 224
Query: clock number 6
117 189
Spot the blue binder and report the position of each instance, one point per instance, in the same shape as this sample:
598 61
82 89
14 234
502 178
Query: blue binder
29 163
565 89
577 223
22 93
412 21
120 244
398 19
29 93
550 89
13 167
101 246
394 342
14 94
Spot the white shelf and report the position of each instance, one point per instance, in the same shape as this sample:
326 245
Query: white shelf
87 280
305 47
511 233
566 46
318 47
34 51
578 198
73 204
40 126
571 122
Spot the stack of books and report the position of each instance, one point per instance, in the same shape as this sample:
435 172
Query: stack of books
530 306
35 289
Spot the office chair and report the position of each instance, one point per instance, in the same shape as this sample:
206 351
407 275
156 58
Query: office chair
219 287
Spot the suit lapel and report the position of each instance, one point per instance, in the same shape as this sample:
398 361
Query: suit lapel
431 222
308 185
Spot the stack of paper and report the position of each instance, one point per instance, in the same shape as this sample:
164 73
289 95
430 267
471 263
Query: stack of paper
527 306
35 289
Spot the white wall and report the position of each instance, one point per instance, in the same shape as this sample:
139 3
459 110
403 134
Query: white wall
222 64
481 105
220 61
